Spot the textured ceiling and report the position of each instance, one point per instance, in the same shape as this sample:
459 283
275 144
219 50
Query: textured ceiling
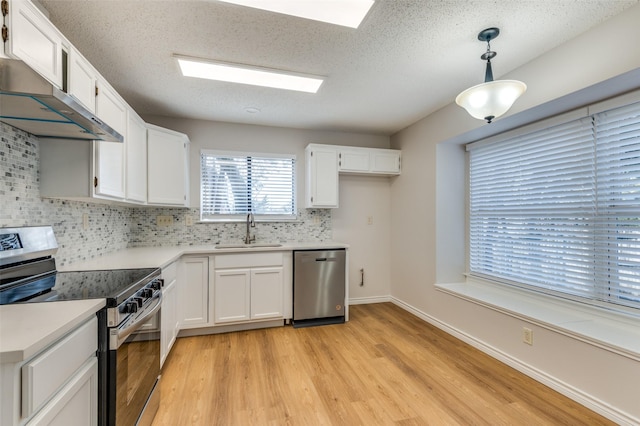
407 59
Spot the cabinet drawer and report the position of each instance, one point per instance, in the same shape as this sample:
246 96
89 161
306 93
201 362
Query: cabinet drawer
46 373
248 260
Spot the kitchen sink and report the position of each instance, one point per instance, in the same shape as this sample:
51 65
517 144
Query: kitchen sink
242 245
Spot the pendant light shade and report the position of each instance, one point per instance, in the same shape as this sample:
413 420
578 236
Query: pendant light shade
490 99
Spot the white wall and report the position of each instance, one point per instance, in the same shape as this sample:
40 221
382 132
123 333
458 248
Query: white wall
428 215
360 197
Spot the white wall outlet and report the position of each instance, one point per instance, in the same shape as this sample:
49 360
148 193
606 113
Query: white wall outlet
164 220
369 220
527 336
85 221
188 220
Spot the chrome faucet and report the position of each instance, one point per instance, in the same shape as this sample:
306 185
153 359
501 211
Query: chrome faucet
248 239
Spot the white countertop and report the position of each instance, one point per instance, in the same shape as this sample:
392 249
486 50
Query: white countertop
159 257
27 328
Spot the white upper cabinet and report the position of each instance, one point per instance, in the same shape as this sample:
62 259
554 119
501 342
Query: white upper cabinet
368 161
385 161
82 80
136 157
110 156
32 38
167 166
353 160
321 176
325 162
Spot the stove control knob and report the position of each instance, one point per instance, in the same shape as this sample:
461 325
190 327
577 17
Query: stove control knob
139 300
156 285
147 293
130 307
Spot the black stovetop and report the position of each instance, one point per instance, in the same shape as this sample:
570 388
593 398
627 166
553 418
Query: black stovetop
113 285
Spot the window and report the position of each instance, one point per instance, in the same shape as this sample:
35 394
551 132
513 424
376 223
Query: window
234 184
558 210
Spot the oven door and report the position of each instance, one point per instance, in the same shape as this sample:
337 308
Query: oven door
134 368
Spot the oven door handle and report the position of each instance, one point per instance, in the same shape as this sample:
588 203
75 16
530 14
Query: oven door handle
119 336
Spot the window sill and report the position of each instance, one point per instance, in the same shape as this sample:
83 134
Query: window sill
612 331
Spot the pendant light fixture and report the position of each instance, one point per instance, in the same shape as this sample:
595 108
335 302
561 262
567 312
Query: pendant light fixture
490 99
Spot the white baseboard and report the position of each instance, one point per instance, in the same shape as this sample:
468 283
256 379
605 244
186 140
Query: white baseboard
564 388
367 300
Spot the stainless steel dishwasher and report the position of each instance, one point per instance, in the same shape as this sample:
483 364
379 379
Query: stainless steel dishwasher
318 287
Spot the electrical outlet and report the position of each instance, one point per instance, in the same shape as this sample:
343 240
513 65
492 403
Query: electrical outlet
164 220
527 336
188 220
369 220
85 221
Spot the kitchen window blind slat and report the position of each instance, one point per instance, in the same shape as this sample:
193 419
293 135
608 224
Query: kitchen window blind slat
558 210
234 184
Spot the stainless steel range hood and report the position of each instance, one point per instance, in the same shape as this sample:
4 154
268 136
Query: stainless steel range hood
30 103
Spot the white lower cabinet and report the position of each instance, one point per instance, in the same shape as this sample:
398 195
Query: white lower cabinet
232 297
57 386
76 404
248 287
248 294
193 292
169 319
266 293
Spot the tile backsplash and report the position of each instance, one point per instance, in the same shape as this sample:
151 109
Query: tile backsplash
113 228
312 225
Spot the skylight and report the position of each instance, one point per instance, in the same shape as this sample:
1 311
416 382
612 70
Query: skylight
348 13
247 74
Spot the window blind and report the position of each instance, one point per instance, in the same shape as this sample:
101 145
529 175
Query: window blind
558 210
235 184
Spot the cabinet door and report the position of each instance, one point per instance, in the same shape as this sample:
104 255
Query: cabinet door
232 295
385 161
193 292
168 319
33 39
77 402
167 155
353 160
82 80
109 156
267 286
136 158
322 177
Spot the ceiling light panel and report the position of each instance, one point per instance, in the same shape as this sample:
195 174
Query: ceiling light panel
348 13
246 74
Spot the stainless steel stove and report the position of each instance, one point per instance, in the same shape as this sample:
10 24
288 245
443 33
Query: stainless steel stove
129 325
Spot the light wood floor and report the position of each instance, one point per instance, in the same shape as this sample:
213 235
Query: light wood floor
384 367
